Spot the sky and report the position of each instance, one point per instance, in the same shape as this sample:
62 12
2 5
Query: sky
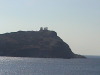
77 22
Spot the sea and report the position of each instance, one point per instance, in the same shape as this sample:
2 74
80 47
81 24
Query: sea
49 66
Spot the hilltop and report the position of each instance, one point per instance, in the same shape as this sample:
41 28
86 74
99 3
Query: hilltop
43 44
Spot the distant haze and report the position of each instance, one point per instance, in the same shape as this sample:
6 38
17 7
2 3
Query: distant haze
77 22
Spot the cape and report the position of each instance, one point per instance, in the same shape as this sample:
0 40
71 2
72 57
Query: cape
41 44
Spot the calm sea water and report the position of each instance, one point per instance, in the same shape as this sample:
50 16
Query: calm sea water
49 66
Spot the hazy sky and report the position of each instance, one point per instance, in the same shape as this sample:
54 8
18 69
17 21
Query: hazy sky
77 22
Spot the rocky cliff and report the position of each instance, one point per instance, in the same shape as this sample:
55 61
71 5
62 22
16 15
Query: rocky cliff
42 44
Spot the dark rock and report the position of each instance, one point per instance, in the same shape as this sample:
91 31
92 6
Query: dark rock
42 44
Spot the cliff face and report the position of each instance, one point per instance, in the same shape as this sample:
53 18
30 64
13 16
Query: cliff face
43 44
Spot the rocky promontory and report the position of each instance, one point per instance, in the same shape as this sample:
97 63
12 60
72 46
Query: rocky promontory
42 44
